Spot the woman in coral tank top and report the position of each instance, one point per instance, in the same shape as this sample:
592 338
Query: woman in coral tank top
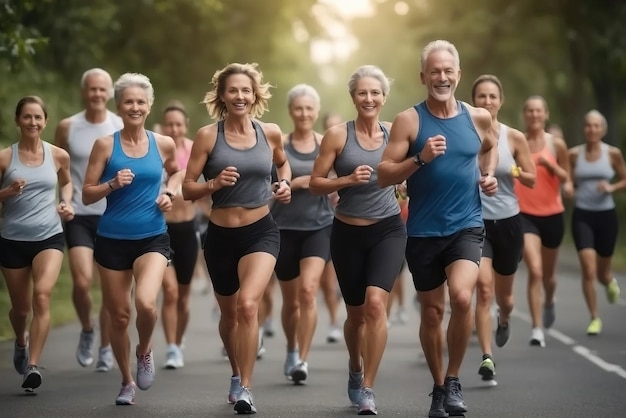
542 214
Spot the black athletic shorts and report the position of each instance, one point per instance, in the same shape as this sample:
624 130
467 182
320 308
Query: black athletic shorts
19 254
120 254
504 244
297 245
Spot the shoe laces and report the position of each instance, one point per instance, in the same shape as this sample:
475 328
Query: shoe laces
145 362
246 395
85 341
127 390
454 386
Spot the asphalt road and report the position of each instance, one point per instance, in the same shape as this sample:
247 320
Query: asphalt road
573 376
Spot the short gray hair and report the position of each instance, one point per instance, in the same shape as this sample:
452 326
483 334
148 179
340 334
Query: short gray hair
369 71
440 45
303 90
595 112
97 71
133 80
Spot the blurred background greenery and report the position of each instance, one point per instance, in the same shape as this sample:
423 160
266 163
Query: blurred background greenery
572 52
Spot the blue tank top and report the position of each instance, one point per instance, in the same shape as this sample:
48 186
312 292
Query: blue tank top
444 194
132 212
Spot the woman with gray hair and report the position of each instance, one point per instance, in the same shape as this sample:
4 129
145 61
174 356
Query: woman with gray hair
368 236
132 240
304 226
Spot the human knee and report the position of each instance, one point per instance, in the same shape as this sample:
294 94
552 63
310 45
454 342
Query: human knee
247 310
145 306
461 299
484 293
41 301
431 315
375 308
307 296
120 320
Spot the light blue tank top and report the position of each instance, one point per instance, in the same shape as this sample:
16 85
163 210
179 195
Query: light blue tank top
306 211
254 166
587 175
366 201
444 194
80 139
31 216
503 204
132 212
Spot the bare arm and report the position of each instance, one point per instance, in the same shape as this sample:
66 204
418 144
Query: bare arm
93 190
488 154
167 149
62 160
395 166
61 135
16 186
332 143
283 170
521 153
202 147
617 161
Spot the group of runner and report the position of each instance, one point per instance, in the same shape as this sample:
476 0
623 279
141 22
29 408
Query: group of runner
481 196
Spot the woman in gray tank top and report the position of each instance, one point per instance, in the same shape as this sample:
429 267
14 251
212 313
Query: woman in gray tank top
594 220
31 239
504 239
305 226
368 236
235 155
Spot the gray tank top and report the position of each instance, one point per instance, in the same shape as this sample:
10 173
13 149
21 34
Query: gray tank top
31 216
306 211
254 166
80 139
587 175
503 204
367 201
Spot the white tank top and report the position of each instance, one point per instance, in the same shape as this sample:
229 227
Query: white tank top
80 139
503 204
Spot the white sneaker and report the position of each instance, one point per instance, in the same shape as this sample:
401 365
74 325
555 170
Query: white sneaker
300 372
537 338
334 335
105 359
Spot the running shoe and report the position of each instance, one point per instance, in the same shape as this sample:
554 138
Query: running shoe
548 315
503 333
292 360
437 409
245 402
20 358
334 335
126 395
145 371
537 338
234 389
595 327
367 404
487 367
355 380
105 359
172 357
84 351
454 403
32 378
612 291
300 372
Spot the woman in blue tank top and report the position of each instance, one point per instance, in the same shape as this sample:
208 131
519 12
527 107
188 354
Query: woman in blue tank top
594 165
368 236
31 240
131 240
235 155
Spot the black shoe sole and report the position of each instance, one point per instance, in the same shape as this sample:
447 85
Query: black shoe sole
368 412
298 376
486 373
32 381
243 407
438 414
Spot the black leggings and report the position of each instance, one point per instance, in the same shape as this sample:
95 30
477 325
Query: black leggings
367 256
184 249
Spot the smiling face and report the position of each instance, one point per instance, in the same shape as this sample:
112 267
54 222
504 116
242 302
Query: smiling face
535 114
595 127
304 112
238 96
487 95
174 124
441 75
368 97
134 106
31 120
